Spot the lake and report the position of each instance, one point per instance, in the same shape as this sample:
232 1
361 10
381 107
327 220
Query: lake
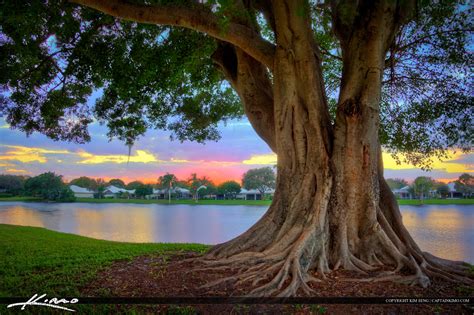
444 230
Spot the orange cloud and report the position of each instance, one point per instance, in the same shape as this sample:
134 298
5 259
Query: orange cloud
13 170
140 156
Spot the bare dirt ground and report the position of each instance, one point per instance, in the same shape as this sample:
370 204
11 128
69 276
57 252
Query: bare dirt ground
168 275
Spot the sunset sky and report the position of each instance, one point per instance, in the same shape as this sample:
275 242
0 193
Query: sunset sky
239 149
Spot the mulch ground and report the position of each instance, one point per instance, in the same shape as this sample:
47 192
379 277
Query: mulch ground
168 275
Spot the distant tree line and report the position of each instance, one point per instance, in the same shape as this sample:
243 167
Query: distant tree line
47 186
50 186
424 187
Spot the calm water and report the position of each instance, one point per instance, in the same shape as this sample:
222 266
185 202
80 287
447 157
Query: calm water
445 231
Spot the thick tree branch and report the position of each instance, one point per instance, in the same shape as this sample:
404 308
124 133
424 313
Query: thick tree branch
249 78
196 17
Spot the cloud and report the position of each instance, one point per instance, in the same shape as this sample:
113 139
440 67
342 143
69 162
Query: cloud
173 160
28 154
13 170
261 159
454 164
141 156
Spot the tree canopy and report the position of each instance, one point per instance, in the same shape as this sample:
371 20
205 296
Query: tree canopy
465 184
55 54
422 186
195 182
261 179
117 182
167 181
143 190
134 185
85 182
12 184
229 188
396 183
49 186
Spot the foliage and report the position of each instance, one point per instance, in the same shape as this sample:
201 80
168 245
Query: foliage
150 76
13 184
229 188
211 189
134 185
195 182
167 181
443 190
465 185
422 186
117 183
261 179
427 94
99 194
182 184
143 190
396 183
85 182
49 186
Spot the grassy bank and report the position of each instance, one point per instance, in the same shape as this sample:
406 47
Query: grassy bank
436 202
36 260
238 202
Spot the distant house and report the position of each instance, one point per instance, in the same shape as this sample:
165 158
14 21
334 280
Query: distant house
177 193
115 192
453 193
253 194
402 193
80 192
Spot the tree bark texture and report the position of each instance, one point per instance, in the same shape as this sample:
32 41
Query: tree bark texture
332 207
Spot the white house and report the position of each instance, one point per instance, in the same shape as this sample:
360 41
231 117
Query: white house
253 194
177 192
80 192
453 193
402 193
114 192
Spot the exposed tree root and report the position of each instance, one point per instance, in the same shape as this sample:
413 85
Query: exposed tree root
285 266
288 276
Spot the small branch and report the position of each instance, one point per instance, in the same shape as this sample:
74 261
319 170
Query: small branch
421 39
196 17
329 54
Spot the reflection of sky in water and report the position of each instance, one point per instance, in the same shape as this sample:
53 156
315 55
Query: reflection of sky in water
446 231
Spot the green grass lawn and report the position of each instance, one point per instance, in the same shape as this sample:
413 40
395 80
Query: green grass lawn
19 198
436 202
36 260
187 202
238 202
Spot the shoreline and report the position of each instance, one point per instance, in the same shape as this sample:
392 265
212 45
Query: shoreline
401 202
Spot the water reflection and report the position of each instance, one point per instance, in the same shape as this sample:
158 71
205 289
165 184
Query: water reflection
445 231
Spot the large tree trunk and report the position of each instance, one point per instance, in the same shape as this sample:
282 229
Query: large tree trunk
332 207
